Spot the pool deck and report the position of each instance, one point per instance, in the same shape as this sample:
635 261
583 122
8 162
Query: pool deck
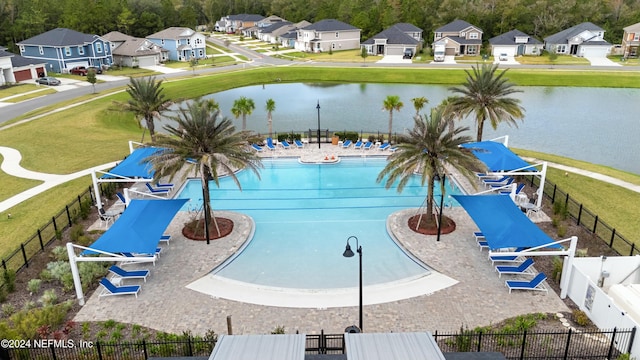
165 303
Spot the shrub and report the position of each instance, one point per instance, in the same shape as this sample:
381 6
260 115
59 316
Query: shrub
25 324
562 230
580 317
58 269
60 253
557 268
28 305
34 286
76 231
560 209
49 297
9 280
90 271
278 330
45 275
3 295
8 309
67 282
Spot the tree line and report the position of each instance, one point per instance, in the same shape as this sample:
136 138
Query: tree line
22 19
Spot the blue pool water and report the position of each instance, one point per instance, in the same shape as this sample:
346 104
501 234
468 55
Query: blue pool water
303 216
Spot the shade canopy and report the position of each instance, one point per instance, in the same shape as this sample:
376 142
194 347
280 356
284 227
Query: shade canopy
503 224
139 228
497 157
264 347
392 346
134 166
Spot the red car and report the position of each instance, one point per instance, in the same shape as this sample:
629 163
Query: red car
78 70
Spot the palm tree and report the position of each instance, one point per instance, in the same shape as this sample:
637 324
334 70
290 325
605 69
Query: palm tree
486 94
449 113
419 103
392 102
201 136
243 106
270 106
429 147
147 100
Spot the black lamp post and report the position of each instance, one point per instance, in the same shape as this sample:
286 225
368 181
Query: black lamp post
318 107
205 207
349 253
441 181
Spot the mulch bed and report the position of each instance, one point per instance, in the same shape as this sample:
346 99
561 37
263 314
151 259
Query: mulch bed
430 227
195 229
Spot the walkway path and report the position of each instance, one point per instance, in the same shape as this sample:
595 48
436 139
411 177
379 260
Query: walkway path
11 166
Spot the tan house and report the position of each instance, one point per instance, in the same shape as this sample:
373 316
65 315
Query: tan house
131 51
328 34
459 38
631 40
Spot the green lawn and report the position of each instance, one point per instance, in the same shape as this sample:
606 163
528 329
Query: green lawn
97 132
11 90
12 185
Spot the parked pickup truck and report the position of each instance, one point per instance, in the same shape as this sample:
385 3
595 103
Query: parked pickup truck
78 70
438 52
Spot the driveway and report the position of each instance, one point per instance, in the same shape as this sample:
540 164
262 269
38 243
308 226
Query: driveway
393 59
448 59
510 61
601 61
162 69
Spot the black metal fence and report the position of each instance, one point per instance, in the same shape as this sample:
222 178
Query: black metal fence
588 219
52 230
523 345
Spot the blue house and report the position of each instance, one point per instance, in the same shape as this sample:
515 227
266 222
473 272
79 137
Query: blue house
183 44
62 49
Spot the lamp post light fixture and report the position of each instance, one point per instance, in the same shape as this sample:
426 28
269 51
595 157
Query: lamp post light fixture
441 180
349 253
318 107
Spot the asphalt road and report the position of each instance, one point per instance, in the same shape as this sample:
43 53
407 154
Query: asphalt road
12 111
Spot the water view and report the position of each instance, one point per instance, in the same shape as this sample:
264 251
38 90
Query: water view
598 125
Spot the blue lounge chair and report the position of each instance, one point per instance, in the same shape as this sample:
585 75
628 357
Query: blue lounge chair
285 144
523 268
165 238
298 143
346 144
534 284
110 289
518 189
496 181
502 184
368 145
164 186
384 146
256 147
119 272
122 199
393 149
157 190
270 144
503 258
358 145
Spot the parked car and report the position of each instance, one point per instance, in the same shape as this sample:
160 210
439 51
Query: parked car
408 54
78 70
503 57
97 69
48 80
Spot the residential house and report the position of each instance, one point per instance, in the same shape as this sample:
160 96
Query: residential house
62 49
232 24
288 39
328 34
131 51
6 69
585 39
395 40
274 32
459 38
631 40
515 43
181 43
27 69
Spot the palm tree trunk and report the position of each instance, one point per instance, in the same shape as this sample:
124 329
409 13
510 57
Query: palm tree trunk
244 121
152 128
432 185
208 213
480 128
390 123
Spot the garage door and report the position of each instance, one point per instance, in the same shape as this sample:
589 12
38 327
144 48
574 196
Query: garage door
509 50
593 51
22 75
146 61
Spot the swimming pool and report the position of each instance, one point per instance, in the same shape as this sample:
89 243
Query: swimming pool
303 216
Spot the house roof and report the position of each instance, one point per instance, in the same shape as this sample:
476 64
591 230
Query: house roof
632 28
60 37
275 26
456 25
172 33
246 17
563 36
406 27
21 61
394 36
289 35
116 36
461 40
137 47
5 53
509 38
330 25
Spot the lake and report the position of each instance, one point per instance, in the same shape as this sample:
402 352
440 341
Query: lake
598 125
